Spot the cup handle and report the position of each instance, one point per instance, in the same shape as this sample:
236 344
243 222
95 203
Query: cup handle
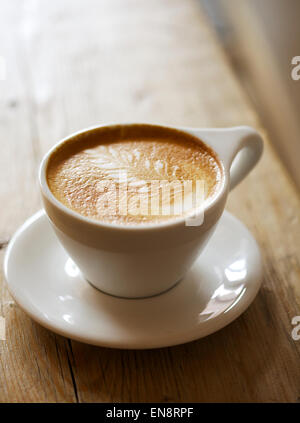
239 148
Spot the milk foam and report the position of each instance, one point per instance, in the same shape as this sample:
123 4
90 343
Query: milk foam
94 181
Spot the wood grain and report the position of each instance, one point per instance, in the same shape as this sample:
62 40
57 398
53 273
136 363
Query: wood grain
75 64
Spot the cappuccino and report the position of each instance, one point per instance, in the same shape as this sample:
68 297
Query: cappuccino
133 174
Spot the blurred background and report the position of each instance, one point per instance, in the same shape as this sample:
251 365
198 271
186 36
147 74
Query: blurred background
70 64
261 37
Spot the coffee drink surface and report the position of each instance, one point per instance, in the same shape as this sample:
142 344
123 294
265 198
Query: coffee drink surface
136 174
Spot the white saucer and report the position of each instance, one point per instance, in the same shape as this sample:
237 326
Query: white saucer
48 286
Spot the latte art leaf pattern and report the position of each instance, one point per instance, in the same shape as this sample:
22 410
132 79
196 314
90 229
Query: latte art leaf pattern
139 169
95 179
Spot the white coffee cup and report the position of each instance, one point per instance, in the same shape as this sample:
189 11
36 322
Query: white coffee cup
141 261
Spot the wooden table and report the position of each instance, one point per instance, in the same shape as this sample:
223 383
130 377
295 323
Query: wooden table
75 64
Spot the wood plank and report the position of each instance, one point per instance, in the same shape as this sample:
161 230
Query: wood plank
34 364
126 60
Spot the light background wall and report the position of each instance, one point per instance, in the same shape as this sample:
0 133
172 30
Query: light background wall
262 37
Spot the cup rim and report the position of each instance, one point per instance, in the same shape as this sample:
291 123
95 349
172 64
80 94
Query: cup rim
212 201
